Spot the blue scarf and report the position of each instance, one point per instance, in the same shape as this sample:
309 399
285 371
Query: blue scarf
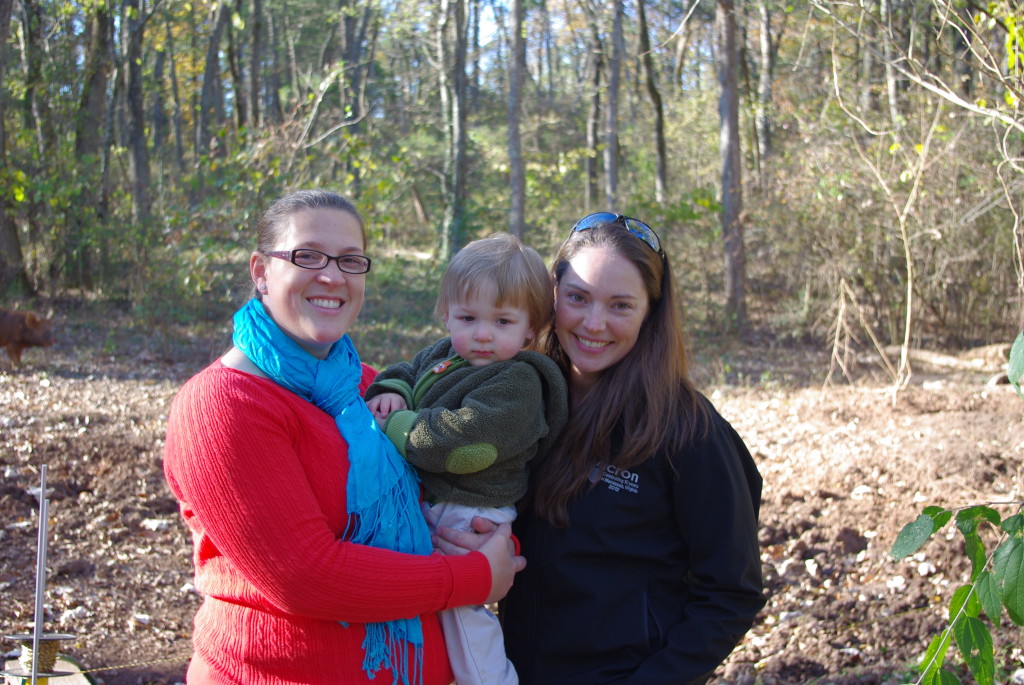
382 490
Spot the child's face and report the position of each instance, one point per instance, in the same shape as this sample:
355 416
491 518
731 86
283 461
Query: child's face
484 333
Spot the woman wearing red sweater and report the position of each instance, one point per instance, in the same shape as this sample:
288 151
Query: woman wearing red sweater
310 549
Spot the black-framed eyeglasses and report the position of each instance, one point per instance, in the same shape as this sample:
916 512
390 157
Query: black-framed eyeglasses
308 258
634 226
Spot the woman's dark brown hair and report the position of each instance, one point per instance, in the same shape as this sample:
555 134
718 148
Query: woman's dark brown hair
642 405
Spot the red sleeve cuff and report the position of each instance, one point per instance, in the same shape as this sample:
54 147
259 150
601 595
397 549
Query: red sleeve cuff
471 576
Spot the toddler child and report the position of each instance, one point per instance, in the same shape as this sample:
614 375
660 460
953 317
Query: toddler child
470 412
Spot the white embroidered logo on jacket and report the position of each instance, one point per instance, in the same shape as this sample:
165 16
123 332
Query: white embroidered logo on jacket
616 479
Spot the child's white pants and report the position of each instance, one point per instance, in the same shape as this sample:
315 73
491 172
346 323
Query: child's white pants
472 634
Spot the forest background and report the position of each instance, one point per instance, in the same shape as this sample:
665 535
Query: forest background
836 172
842 179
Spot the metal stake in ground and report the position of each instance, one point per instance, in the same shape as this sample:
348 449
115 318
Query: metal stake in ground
41 663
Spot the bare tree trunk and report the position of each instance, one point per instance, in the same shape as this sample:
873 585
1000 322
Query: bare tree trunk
194 88
176 119
611 133
891 84
132 24
89 141
356 51
255 60
37 119
500 14
6 10
682 43
276 110
766 74
37 108
473 67
356 54
113 98
234 58
293 63
452 51
732 187
868 94
594 116
550 56
208 106
158 117
517 171
963 72
12 265
92 105
661 170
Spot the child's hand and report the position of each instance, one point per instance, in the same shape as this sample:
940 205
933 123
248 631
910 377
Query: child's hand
452 541
383 404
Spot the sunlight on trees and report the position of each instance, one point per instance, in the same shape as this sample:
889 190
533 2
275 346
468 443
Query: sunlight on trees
876 147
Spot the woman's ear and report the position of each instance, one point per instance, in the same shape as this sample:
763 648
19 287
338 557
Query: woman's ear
258 271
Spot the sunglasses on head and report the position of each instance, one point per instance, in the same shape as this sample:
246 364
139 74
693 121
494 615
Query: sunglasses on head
634 226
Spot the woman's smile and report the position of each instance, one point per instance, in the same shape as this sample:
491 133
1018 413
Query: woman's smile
592 344
325 303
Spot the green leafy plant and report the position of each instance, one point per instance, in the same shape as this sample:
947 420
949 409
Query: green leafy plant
996 580
1016 367
997 583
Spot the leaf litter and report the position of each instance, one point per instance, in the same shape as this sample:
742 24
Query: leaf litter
844 468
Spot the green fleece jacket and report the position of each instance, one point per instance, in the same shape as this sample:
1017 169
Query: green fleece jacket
471 431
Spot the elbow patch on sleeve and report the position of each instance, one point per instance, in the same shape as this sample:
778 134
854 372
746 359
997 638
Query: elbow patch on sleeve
471 458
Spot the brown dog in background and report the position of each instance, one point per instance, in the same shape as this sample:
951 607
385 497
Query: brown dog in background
19 330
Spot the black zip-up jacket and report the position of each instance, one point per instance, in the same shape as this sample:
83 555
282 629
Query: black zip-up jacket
656 578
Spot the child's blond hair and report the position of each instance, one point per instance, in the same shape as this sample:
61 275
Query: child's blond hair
517 271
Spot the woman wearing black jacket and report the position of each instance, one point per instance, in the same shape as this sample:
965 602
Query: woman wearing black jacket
640 529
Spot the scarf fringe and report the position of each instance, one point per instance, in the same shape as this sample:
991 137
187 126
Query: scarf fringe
387 644
385 651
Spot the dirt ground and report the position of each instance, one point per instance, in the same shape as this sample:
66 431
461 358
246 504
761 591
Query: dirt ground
845 467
